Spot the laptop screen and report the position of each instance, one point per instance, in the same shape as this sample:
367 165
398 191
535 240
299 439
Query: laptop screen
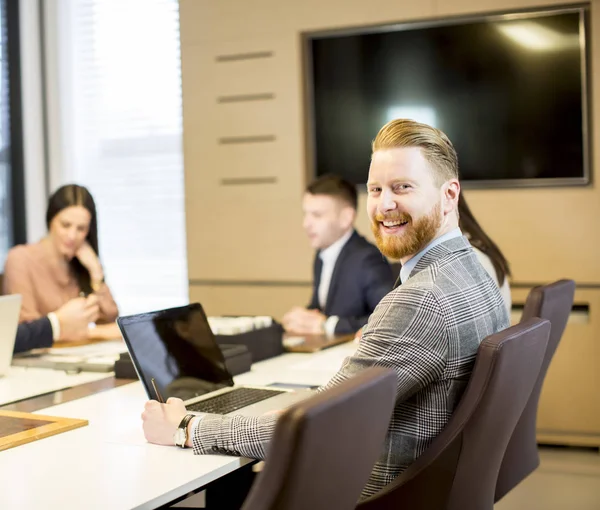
10 307
177 348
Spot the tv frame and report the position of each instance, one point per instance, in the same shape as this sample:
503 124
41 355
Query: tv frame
584 44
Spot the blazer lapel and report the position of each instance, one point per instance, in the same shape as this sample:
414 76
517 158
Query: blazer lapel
438 251
338 272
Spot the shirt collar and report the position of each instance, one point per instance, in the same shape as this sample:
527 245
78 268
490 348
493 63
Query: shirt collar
410 264
332 252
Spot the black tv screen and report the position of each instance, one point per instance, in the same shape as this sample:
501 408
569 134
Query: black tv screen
509 91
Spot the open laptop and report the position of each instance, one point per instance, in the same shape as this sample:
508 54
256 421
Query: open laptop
10 308
177 349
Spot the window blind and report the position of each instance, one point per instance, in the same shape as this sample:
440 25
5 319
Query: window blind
119 75
5 165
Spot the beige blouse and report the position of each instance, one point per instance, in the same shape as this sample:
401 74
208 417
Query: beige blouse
45 284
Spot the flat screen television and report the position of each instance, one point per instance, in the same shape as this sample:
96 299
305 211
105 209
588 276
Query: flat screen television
509 90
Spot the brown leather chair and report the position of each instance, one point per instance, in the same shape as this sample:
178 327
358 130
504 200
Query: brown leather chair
552 302
324 448
460 468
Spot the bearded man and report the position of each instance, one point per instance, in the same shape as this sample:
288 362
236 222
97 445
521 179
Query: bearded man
427 329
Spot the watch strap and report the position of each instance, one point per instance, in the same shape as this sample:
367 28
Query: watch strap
183 426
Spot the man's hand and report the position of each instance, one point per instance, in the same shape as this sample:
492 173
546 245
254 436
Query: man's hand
301 321
75 315
161 420
358 335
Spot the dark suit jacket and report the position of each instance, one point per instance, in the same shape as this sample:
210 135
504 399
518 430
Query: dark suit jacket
361 277
33 335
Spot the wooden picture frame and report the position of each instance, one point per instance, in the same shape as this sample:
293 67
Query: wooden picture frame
18 428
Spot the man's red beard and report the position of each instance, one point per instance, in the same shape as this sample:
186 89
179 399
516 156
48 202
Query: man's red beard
413 237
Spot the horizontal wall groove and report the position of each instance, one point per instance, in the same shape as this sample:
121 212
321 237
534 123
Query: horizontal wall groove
231 140
249 283
242 181
246 97
234 57
528 285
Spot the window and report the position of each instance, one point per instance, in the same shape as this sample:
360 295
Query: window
5 209
12 216
119 133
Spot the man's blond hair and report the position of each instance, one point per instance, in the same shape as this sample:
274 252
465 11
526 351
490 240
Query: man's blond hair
435 146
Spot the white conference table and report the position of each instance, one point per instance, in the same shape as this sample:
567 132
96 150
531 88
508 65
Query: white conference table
20 383
108 464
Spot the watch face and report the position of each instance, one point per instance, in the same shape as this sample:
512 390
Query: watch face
179 437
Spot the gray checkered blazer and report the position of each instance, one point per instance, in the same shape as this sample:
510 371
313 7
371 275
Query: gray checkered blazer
427 330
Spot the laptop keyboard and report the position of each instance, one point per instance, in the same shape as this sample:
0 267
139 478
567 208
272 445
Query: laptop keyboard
232 400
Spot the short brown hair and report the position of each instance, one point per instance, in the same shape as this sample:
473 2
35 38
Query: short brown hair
334 186
434 144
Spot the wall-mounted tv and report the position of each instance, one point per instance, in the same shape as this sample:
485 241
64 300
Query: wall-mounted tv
509 90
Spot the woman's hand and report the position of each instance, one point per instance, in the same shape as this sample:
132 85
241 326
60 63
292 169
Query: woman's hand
88 258
105 332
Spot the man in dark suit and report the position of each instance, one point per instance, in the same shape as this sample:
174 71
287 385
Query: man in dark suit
350 274
35 334
69 322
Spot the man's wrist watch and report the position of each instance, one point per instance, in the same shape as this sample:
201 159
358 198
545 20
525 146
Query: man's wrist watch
180 436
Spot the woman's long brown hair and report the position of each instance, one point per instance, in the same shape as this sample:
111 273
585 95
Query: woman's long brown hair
480 240
67 196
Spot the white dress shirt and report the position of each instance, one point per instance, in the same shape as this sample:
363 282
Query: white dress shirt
329 257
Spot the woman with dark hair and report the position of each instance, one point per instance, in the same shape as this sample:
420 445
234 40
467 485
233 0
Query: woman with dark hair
487 251
64 265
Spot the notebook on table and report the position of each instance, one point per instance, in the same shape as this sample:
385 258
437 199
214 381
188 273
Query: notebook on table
177 349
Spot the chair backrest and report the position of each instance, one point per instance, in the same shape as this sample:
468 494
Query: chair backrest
324 448
459 469
554 303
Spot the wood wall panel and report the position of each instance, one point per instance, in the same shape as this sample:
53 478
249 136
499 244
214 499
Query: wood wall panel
203 20
252 232
461 7
569 409
250 235
249 300
545 233
245 160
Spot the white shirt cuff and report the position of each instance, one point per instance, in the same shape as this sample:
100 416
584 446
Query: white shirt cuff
330 325
55 323
194 425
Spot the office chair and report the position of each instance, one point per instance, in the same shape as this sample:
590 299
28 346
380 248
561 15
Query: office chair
324 448
460 468
551 302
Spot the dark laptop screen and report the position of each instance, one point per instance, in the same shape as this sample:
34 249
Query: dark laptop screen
177 348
